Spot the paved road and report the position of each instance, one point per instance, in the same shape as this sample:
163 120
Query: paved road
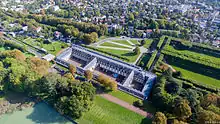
126 105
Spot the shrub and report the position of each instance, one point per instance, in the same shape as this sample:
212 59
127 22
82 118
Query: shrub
138 103
150 62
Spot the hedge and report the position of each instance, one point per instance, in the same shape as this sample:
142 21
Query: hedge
201 59
150 62
202 86
160 42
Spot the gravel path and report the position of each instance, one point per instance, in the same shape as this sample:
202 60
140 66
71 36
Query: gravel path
130 42
126 105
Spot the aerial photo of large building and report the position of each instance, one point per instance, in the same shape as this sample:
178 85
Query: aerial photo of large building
130 78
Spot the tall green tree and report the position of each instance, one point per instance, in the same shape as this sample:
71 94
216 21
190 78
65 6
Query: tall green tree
159 118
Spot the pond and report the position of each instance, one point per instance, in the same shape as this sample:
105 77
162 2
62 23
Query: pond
41 113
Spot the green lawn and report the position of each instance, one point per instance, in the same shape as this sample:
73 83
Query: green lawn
128 54
124 96
2 49
102 38
198 77
148 43
113 45
131 99
62 67
105 112
125 42
52 48
135 42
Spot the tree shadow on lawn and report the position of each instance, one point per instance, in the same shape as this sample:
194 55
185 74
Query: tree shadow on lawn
129 54
45 114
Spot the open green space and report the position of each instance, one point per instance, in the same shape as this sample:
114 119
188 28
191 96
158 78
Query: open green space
52 48
125 42
105 112
148 43
135 42
113 45
198 77
124 96
131 99
193 56
130 55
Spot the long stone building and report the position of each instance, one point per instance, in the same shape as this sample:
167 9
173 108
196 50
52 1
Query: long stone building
130 78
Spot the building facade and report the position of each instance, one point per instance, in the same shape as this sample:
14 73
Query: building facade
130 78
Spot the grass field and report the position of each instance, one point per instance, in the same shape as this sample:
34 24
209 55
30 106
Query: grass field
198 77
124 96
148 43
135 42
121 42
113 45
131 99
105 112
128 54
52 48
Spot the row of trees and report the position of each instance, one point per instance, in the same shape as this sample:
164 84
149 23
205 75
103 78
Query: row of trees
29 75
107 82
81 26
181 103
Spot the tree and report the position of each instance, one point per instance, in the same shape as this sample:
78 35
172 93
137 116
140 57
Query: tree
182 109
137 50
88 39
38 65
159 118
153 24
205 116
131 17
209 99
46 86
72 69
94 36
88 75
17 54
175 121
143 42
79 100
173 87
69 76
113 85
107 82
